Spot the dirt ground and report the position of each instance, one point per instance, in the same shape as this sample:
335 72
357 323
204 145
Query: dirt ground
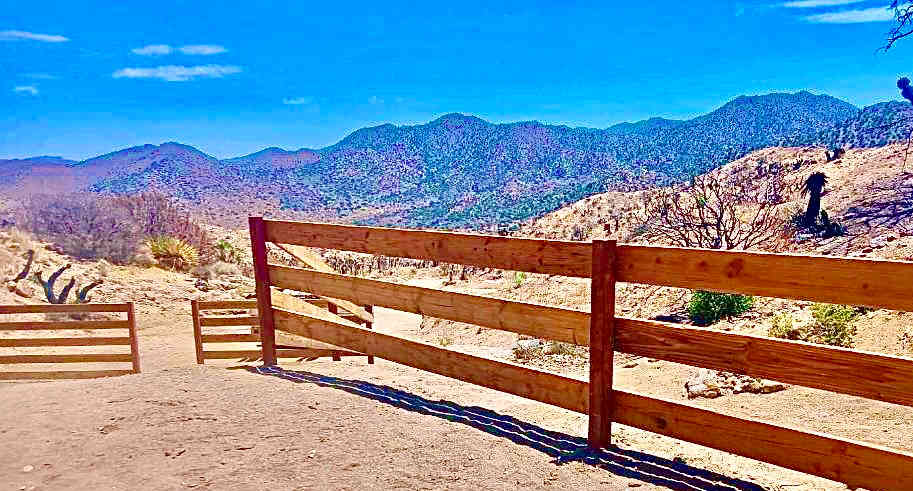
348 425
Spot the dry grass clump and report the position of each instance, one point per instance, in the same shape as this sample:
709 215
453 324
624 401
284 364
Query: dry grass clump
173 253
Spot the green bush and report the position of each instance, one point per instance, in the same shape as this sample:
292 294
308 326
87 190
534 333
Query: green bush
227 253
832 325
519 278
782 326
706 308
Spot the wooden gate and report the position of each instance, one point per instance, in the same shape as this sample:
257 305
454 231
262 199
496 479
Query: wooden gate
874 283
24 335
230 330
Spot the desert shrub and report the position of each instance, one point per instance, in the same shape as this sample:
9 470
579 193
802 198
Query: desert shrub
783 326
82 225
707 308
173 253
519 278
559 348
824 227
227 253
833 325
157 215
96 226
527 350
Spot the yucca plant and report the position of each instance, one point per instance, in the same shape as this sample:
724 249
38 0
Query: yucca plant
173 252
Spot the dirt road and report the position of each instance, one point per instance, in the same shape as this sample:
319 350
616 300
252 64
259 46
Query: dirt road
327 425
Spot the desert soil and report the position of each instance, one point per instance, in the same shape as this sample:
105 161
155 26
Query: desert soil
348 425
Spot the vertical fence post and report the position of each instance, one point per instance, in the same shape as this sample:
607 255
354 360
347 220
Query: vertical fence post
264 297
134 343
197 331
602 338
333 309
370 325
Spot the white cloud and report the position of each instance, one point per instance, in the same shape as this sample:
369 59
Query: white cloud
175 73
202 49
375 100
190 49
153 50
807 4
875 14
26 89
297 101
31 36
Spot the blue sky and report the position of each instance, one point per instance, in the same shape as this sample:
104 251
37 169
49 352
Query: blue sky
230 78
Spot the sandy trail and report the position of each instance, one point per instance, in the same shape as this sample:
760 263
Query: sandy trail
339 425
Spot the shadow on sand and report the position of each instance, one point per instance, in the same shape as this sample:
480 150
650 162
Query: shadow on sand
564 448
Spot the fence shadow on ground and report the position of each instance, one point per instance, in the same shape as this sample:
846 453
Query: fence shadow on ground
562 447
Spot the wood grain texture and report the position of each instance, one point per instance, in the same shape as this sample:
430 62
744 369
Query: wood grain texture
307 353
542 321
54 308
530 255
197 331
62 325
602 366
872 375
80 341
80 358
227 304
134 338
312 260
506 377
854 463
230 338
229 321
814 278
264 294
869 282
63 375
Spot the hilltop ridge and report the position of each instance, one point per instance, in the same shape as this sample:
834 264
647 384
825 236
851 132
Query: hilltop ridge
455 171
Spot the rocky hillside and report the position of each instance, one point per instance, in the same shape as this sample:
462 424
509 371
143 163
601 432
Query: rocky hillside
874 126
869 190
456 171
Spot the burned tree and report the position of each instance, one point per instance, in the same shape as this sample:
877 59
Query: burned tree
30 257
903 26
737 211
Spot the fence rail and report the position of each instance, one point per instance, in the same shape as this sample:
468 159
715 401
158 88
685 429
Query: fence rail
129 340
825 279
203 316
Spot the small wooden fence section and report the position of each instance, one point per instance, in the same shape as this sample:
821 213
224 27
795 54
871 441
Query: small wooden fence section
217 323
13 338
883 284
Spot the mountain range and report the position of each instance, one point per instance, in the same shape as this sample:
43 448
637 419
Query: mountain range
459 170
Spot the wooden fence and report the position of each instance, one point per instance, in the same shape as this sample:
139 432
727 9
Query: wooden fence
225 325
874 283
72 340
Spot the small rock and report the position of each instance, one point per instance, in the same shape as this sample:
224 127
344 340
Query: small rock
631 364
527 344
28 468
312 454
